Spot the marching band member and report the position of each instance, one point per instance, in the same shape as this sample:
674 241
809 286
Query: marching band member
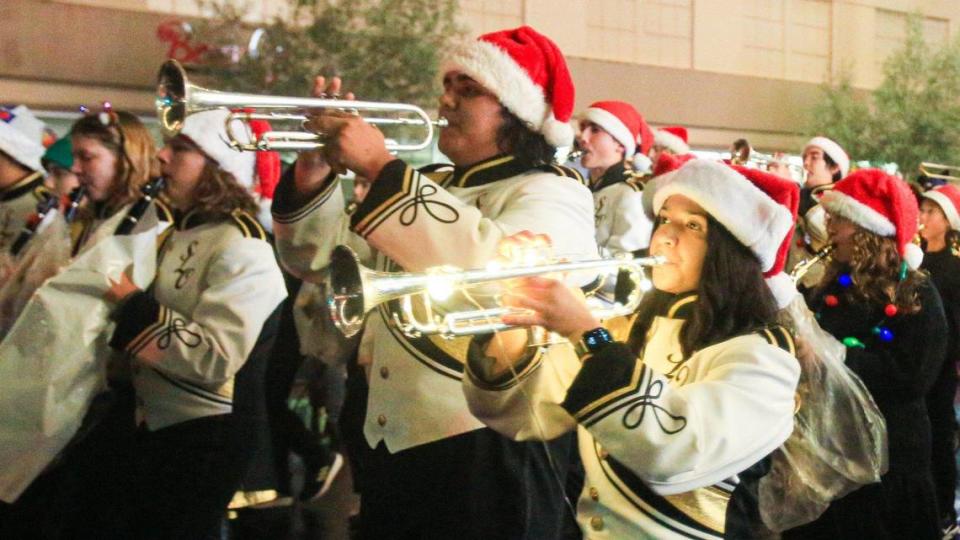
890 318
825 162
676 414
940 230
189 336
113 157
434 471
21 174
610 133
58 162
669 140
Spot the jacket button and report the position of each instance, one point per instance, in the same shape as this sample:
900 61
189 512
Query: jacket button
594 494
596 523
382 420
385 372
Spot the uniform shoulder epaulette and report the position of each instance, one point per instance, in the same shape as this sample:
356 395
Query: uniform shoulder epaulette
42 193
562 170
249 225
778 336
164 213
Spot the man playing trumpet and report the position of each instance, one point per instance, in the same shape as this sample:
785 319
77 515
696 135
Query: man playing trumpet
434 470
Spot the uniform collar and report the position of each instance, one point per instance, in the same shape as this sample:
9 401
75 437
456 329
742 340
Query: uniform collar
616 173
102 210
189 219
678 306
26 184
489 170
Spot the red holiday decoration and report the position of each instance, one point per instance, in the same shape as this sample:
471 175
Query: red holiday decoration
831 300
890 310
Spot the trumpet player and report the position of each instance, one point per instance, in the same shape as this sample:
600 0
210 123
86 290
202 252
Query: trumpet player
434 470
940 231
824 162
21 174
676 409
612 132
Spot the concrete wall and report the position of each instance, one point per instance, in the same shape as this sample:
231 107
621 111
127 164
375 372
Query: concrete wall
724 68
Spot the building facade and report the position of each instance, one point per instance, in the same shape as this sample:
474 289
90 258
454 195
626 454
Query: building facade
723 68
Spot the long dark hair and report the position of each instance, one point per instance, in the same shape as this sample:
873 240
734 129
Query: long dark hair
218 193
515 137
732 297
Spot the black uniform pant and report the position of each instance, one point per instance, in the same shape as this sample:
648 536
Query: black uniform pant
478 485
186 474
943 432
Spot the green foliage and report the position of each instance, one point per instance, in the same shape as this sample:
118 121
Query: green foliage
385 50
912 116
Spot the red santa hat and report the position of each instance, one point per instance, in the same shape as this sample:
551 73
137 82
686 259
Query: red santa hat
751 215
786 193
833 150
208 130
948 197
21 134
528 74
673 138
622 122
880 203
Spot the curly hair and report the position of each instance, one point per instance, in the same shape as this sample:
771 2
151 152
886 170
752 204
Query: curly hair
732 298
131 142
874 268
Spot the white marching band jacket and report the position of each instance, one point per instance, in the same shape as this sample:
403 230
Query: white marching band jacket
217 282
666 443
622 225
415 220
17 203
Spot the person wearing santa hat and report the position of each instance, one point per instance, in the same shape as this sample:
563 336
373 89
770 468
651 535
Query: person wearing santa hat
610 133
676 408
434 470
825 162
21 174
196 339
891 320
669 140
940 231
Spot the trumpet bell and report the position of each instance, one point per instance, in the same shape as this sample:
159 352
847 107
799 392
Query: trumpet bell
345 286
172 97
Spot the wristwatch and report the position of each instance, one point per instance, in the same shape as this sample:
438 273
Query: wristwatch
592 341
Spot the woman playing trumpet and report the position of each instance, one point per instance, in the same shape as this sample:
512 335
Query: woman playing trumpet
677 413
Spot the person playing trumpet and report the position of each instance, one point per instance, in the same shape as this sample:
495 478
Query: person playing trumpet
434 471
678 406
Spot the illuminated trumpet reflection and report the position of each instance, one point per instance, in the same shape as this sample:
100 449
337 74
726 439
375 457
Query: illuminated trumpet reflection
355 290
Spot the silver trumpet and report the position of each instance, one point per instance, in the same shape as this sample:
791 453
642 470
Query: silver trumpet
354 290
177 98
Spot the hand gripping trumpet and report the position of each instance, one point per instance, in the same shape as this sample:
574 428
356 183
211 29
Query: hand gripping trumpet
354 290
177 98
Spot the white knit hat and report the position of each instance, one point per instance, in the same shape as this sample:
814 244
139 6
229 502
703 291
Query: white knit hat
21 136
208 131
752 216
833 150
528 74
